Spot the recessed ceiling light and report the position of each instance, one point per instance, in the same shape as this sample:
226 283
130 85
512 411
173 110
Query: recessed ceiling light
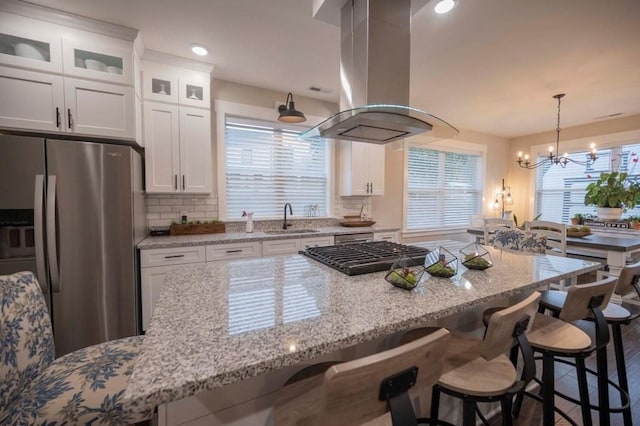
444 6
199 50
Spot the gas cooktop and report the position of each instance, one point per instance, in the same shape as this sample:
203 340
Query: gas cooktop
365 258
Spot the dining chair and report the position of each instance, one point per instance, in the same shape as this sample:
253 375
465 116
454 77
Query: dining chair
375 388
492 224
82 387
628 287
556 234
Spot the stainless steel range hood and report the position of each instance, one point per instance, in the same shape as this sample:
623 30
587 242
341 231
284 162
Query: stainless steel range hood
374 78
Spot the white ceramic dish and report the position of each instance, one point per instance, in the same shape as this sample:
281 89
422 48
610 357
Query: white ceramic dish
114 70
80 63
28 51
92 64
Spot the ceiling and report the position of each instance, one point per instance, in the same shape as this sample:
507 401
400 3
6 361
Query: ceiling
490 66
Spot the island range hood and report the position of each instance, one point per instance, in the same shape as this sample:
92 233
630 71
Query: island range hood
374 78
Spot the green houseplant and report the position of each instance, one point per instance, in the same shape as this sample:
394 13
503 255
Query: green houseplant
614 191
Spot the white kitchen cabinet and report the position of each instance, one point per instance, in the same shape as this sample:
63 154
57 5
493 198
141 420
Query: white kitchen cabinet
36 100
276 247
361 168
100 109
98 58
178 149
155 265
194 90
234 251
327 240
386 236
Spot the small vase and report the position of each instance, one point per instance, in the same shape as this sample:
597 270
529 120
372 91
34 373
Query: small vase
249 222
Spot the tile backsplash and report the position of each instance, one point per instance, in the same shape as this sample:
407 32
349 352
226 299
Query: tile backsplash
162 209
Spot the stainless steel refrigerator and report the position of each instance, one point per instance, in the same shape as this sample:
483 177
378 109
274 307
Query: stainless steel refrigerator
72 212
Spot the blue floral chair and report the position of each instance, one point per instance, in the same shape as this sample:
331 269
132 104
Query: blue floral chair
517 240
83 387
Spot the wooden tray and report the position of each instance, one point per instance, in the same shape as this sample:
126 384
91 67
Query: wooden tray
357 223
196 228
577 234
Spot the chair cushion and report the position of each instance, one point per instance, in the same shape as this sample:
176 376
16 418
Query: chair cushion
83 387
517 240
26 339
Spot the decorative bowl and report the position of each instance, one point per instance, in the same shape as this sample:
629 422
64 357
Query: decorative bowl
475 256
27 50
577 234
114 70
92 64
442 263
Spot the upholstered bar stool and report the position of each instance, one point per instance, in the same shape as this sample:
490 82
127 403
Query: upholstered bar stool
83 387
616 316
477 370
373 390
556 337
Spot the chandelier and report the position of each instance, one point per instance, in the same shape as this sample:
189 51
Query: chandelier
552 158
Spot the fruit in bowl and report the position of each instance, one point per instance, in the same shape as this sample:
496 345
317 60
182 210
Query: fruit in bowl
584 229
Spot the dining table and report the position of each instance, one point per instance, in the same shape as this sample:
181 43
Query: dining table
221 324
614 250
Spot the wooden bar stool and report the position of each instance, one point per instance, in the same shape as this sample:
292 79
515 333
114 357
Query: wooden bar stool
615 316
478 370
372 389
556 337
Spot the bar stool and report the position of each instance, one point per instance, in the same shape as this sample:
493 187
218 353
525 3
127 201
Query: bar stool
555 337
374 388
615 316
478 370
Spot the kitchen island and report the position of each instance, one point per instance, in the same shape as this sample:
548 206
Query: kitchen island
221 323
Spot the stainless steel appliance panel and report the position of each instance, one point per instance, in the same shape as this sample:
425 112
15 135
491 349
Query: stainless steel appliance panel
90 222
22 168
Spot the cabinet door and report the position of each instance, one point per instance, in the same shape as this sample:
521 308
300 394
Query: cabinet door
162 147
375 155
360 168
159 85
194 91
151 285
275 247
195 150
31 100
99 109
98 58
30 43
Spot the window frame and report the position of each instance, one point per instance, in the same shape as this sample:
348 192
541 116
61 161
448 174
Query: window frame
460 147
250 112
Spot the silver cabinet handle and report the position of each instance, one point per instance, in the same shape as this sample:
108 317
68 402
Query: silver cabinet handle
38 231
52 237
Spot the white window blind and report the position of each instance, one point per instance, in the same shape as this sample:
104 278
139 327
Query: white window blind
444 189
560 190
267 165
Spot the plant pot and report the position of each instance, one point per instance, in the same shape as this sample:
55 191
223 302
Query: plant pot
609 213
575 221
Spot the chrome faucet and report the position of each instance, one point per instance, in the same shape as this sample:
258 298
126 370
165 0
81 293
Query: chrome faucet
285 225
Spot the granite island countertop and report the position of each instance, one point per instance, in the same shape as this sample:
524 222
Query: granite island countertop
171 241
223 322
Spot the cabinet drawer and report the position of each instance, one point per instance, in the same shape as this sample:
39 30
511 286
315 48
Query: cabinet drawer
172 256
316 242
275 247
233 251
386 236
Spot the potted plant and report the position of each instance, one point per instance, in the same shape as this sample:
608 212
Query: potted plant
577 219
634 221
612 193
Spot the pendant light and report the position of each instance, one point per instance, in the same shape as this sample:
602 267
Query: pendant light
288 112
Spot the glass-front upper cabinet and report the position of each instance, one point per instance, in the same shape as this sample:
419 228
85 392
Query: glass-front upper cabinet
159 84
98 59
29 43
194 91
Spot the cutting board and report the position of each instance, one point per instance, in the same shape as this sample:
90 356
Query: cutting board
357 223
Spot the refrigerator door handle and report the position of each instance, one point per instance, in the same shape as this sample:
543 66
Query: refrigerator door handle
52 240
38 231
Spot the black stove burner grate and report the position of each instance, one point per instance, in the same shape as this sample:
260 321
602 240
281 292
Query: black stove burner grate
365 258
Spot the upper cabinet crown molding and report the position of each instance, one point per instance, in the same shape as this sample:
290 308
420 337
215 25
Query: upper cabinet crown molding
163 58
48 14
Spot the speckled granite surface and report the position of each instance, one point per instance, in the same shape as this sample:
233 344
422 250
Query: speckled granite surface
241 237
223 322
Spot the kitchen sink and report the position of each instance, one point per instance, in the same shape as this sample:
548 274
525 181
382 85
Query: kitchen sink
292 231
